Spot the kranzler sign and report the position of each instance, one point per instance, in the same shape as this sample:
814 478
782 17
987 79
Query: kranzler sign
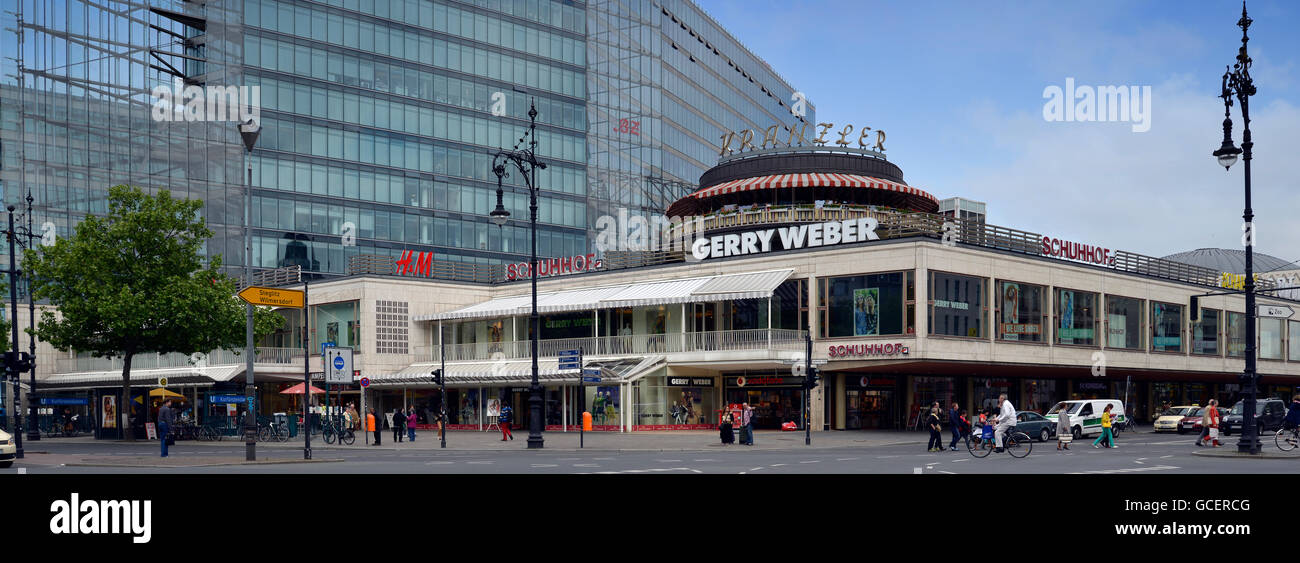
786 238
798 134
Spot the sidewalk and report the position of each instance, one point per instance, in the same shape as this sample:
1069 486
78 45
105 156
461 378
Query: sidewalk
474 441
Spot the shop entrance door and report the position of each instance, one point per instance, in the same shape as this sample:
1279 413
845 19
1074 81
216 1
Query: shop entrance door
869 409
772 406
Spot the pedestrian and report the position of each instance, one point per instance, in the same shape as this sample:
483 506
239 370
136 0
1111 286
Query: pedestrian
1064 431
1205 423
166 419
504 420
1293 414
725 428
1106 432
372 424
410 422
954 419
932 423
399 424
747 424
1213 435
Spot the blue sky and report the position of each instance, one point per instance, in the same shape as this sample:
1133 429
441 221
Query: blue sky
958 87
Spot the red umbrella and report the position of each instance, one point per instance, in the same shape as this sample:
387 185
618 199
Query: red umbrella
297 390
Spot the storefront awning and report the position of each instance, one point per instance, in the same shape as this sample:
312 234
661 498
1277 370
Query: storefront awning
755 285
178 376
519 372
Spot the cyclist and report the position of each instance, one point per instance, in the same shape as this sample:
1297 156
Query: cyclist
1293 415
1005 420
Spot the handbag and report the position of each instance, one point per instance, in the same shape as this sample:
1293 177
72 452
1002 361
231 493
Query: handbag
1214 433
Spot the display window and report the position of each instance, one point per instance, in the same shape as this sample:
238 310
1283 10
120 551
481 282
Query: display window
1166 327
866 305
1270 339
681 402
1076 317
957 305
1040 395
1124 322
987 391
1020 311
1236 335
1205 333
1293 340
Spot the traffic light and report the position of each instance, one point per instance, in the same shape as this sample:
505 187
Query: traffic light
1194 309
18 362
814 378
437 377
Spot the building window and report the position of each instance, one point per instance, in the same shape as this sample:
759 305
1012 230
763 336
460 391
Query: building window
1236 335
868 305
1124 322
1076 317
1166 327
1270 339
957 305
790 305
1205 333
1293 340
1020 311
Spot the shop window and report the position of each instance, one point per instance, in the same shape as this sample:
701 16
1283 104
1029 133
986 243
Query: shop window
957 305
790 305
1124 322
336 323
1076 317
1205 333
1166 327
676 401
867 305
1293 340
1236 335
1020 311
1270 339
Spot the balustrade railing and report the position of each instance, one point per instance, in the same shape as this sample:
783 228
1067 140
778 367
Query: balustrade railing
635 344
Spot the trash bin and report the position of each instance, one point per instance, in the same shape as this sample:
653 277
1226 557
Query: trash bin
293 426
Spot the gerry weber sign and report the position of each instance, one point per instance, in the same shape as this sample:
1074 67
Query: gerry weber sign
888 349
789 238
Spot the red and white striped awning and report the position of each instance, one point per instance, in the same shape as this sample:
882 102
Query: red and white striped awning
808 180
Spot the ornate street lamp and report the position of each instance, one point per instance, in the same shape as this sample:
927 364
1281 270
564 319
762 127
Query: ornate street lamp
525 160
1237 82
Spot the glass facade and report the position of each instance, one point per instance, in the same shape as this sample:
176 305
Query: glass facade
867 305
1236 335
379 114
1166 327
1076 313
1020 311
957 305
1205 333
1124 322
1270 339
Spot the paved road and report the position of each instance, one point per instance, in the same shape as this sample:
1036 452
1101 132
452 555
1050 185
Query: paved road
1138 453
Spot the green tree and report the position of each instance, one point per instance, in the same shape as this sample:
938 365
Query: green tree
134 282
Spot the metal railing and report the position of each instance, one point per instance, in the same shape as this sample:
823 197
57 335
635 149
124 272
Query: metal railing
265 356
632 345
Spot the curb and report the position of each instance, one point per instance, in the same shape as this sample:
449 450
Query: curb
266 462
1238 455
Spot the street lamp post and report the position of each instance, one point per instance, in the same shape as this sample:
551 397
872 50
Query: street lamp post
525 161
248 132
1237 82
33 430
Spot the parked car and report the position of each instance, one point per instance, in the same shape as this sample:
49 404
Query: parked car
1170 420
1269 414
1035 425
1085 415
8 450
1192 422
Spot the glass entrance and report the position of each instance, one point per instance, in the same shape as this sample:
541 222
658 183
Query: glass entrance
772 406
869 409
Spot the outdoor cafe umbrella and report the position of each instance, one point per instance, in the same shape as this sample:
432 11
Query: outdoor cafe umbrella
164 393
297 390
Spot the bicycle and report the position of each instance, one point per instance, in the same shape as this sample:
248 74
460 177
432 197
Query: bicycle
332 430
1287 438
270 431
1015 443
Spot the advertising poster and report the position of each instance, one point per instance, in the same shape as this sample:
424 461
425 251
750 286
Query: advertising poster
1067 310
866 311
494 407
1010 310
110 412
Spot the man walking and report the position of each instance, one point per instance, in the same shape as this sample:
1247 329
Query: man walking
166 419
954 418
747 422
504 420
373 424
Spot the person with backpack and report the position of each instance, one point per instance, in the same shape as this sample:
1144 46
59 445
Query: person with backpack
505 419
399 425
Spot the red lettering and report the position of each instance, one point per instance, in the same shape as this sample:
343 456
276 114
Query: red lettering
1056 247
566 264
404 265
580 263
889 348
512 271
425 265
592 263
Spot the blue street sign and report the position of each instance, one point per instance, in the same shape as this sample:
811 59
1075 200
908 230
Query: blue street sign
569 353
63 401
589 379
566 365
591 371
324 345
217 399
338 362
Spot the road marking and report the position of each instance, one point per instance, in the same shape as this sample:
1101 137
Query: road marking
586 465
544 465
705 460
440 463
916 471
776 465
845 458
1166 456
948 472
1128 470
813 461
480 462
755 468
959 460
22 470
1139 462
668 460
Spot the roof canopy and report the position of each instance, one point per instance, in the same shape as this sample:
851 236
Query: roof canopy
757 285
903 196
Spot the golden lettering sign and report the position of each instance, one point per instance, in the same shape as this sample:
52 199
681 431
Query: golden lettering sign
798 135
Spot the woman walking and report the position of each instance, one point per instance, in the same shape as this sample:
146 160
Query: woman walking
1064 433
936 439
725 431
1105 429
411 419
1211 423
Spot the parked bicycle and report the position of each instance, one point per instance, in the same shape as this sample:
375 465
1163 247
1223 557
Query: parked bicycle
1015 443
334 429
61 428
268 431
1287 438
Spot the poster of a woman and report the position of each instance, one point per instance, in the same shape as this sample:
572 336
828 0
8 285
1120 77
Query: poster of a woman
866 313
110 412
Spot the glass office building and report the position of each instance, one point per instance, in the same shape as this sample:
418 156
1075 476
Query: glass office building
378 114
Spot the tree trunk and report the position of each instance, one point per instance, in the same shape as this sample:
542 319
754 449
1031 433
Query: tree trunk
124 408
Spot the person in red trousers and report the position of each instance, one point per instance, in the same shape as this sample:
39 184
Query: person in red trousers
505 419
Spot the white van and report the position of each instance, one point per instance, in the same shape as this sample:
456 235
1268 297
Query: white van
1085 415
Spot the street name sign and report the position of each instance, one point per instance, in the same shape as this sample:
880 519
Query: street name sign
272 297
1276 311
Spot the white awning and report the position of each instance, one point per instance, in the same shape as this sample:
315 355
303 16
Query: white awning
754 285
94 379
482 373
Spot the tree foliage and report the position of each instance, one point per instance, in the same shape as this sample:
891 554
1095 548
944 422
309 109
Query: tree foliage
134 282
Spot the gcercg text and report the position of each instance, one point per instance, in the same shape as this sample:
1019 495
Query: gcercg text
1180 505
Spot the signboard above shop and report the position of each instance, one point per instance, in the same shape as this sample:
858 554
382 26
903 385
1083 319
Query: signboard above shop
690 382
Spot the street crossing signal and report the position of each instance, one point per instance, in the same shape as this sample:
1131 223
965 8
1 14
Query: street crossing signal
814 377
1194 309
437 377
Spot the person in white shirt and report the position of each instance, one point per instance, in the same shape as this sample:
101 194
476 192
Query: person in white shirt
1006 420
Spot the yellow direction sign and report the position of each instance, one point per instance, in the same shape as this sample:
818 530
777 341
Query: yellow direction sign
272 297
